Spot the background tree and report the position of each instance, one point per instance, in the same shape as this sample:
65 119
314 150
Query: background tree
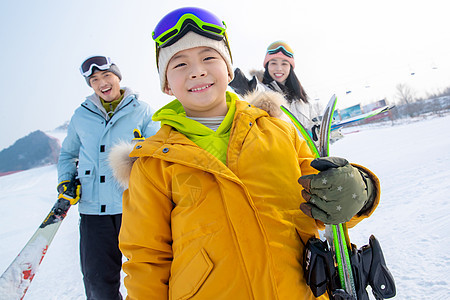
406 97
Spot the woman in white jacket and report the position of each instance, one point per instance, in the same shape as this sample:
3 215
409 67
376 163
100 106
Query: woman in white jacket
279 76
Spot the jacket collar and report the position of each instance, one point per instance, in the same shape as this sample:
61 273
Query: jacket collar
173 114
168 135
95 99
123 155
165 143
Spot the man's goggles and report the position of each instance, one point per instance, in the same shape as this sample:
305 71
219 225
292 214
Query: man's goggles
281 49
178 22
100 62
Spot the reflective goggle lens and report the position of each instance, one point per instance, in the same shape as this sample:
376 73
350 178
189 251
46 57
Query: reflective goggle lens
173 24
100 62
280 46
282 49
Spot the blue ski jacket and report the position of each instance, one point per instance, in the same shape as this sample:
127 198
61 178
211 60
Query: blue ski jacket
90 136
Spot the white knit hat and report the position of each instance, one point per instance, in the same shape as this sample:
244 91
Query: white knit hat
191 40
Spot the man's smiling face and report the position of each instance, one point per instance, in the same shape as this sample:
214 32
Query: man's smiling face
106 85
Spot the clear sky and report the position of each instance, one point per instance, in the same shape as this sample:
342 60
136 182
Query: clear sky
367 47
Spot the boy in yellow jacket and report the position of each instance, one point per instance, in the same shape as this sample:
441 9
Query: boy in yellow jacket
212 205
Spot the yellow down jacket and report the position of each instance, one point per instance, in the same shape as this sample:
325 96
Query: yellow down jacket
194 228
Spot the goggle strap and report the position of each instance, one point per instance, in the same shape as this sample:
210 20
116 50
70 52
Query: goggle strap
228 45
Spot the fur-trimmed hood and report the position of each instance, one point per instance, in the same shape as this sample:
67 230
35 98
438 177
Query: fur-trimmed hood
121 163
268 101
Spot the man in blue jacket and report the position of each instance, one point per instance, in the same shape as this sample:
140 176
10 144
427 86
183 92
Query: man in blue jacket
105 118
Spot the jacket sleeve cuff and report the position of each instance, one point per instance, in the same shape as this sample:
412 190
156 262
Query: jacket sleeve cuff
374 196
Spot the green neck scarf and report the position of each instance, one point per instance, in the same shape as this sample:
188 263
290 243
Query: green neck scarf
215 142
110 107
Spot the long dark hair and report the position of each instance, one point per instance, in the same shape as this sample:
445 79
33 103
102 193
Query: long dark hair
293 90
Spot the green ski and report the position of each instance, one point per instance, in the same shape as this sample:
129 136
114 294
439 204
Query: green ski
334 233
336 265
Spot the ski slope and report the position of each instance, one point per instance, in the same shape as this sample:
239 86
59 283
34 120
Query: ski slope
411 160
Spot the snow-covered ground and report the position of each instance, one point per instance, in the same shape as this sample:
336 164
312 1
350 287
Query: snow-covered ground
413 164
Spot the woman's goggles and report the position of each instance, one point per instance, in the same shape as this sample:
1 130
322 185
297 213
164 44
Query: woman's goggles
281 49
100 62
178 22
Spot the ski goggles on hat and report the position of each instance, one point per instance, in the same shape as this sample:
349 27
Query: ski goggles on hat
275 48
178 22
100 62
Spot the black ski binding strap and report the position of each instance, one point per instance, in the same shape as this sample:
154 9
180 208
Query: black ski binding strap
61 207
341 295
320 272
368 266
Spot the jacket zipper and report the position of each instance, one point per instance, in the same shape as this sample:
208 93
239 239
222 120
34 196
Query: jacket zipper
107 121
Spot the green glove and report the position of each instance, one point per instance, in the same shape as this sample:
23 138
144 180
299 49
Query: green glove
337 193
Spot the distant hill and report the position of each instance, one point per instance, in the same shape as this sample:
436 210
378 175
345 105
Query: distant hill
34 150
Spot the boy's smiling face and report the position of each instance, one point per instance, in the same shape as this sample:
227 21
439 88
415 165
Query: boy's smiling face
198 78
